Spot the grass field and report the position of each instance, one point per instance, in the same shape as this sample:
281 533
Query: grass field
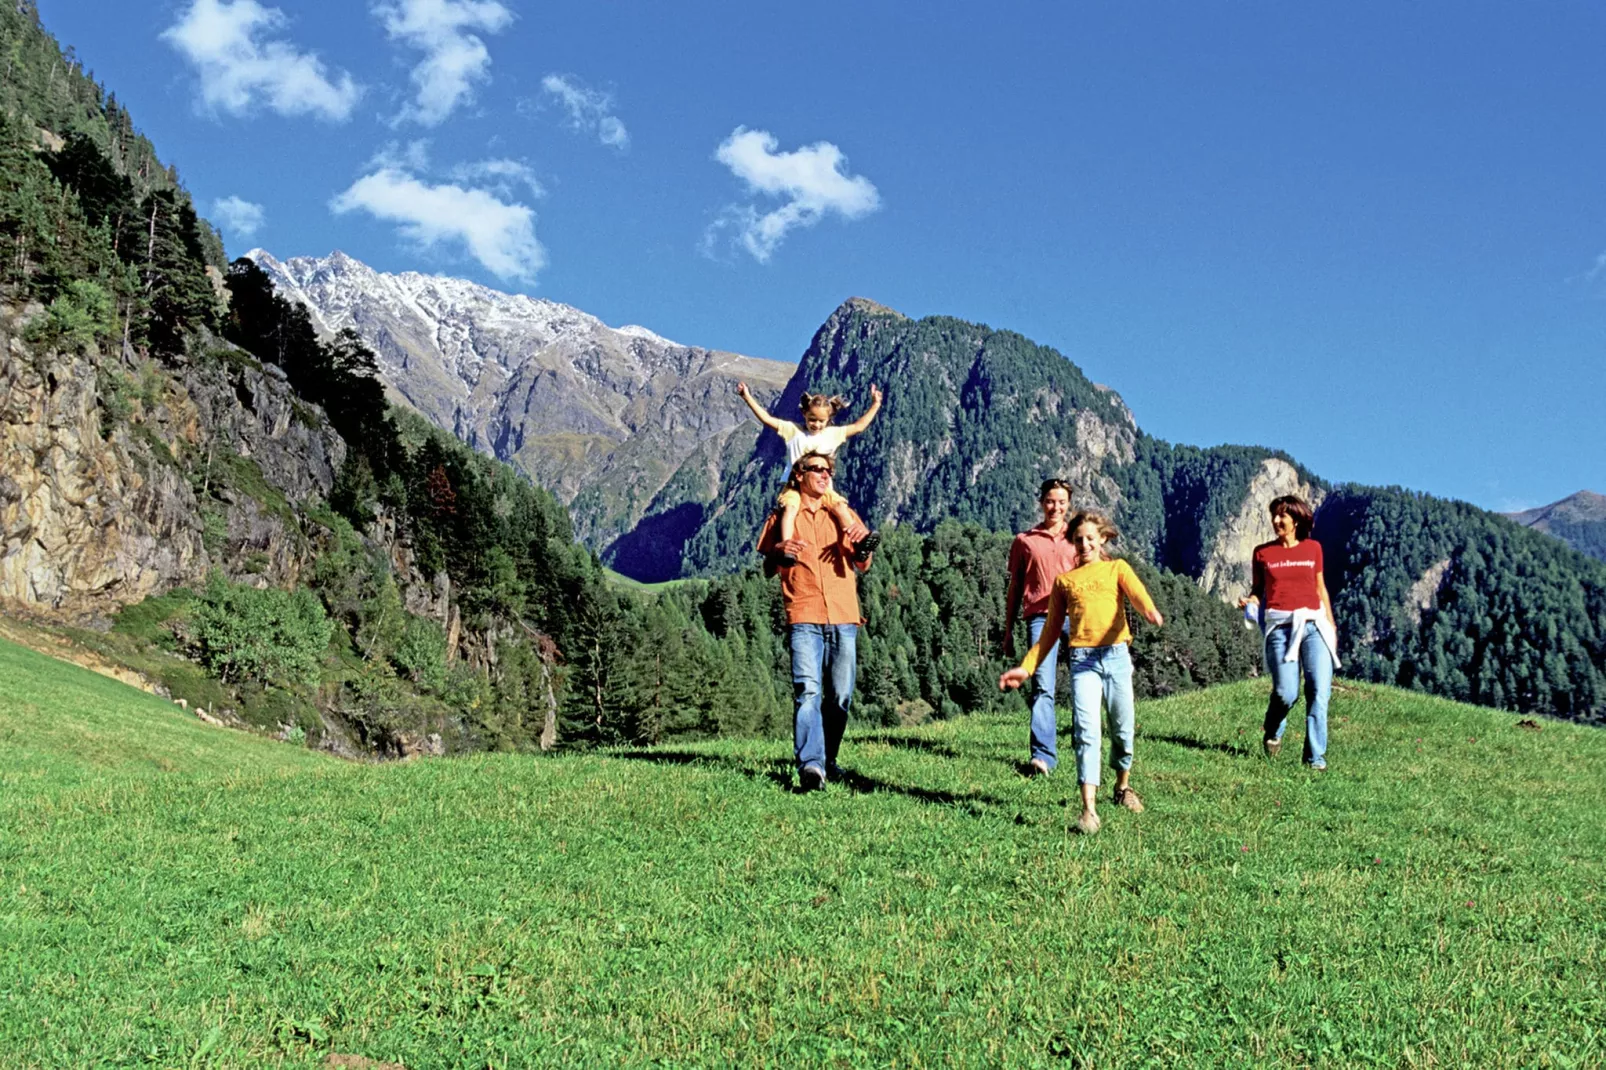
178 895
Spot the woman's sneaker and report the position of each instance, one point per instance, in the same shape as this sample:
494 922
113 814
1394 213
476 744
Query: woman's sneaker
1128 798
1271 747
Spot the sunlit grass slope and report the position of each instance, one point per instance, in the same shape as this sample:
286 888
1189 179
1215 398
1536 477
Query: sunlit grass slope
178 895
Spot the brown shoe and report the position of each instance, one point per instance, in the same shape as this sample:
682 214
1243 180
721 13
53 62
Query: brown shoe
1271 747
1038 767
1088 823
1128 798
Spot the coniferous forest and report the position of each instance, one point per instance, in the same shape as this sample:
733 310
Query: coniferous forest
434 591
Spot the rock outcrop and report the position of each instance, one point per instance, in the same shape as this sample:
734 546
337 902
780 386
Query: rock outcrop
1226 572
99 460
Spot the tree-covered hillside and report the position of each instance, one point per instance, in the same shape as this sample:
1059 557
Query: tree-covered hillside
1445 597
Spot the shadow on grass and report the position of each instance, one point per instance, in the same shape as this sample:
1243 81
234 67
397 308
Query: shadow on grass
929 746
778 771
1196 744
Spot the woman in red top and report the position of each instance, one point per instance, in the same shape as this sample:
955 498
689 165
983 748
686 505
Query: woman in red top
1296 618
1036 557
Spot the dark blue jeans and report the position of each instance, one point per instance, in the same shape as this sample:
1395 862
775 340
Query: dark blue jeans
825 662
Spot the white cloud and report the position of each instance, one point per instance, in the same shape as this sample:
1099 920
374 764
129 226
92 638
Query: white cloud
239 217
812 181
590 110
454 58
1598 272
224 40
503 176
497 232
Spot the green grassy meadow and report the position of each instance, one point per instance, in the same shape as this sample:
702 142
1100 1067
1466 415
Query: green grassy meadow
178 895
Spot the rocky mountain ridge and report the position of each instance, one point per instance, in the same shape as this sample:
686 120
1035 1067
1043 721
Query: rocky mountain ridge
601 416
1579 520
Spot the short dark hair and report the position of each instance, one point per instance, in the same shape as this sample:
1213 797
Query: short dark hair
1299 509
1053 484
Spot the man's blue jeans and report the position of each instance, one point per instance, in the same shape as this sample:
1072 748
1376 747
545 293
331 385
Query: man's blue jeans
1101 674
1317 666
825 662
1044 731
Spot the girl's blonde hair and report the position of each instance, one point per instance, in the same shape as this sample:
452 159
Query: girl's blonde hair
1106 527
835 402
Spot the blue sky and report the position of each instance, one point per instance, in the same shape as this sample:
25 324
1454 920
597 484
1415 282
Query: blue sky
1370 234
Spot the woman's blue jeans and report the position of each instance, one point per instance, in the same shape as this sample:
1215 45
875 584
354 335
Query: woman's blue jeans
1044 731
825 663
1316 665
1102 674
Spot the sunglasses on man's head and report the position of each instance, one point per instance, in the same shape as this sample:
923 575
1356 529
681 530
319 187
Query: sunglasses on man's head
816 468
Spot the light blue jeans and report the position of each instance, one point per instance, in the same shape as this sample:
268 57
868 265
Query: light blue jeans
1101 674
1044 730
825 662
1317 666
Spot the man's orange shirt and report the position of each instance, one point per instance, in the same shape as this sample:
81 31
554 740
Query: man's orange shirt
821 588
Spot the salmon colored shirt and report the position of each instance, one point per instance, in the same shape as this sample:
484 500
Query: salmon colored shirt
1091 596
1038 557
822 587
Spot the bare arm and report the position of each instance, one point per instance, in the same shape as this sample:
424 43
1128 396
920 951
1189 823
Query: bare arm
758 410
1017 589
1257 582
1327 603
858 426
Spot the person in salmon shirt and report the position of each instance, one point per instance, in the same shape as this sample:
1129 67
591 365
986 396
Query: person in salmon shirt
1036 558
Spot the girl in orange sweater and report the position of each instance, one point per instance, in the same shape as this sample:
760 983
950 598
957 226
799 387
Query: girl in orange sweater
1101 665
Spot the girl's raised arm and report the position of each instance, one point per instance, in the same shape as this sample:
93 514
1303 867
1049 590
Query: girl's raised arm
863 422
758 410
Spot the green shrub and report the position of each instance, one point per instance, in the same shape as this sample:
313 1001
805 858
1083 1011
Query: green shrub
266 635
421 652
82 313
149 620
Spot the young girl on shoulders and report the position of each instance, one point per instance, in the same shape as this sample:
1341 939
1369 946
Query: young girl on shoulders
1089 598
817 435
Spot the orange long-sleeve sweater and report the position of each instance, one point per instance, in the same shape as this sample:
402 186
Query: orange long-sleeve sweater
1091 597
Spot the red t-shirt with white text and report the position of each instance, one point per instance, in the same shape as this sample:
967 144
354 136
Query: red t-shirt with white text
1285 576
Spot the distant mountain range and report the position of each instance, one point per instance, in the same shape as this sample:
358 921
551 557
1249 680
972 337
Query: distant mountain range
1578 520
603 417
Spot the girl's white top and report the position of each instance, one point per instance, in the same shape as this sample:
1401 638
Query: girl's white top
798 442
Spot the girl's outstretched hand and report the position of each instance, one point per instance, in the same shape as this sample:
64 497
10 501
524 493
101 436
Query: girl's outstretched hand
741 388
875 393
1012 679
1154 618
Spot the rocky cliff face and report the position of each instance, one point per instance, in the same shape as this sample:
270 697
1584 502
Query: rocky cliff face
1227 566
602 417
99 462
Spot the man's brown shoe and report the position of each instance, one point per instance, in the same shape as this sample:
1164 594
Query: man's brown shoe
1128 798
1088 824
